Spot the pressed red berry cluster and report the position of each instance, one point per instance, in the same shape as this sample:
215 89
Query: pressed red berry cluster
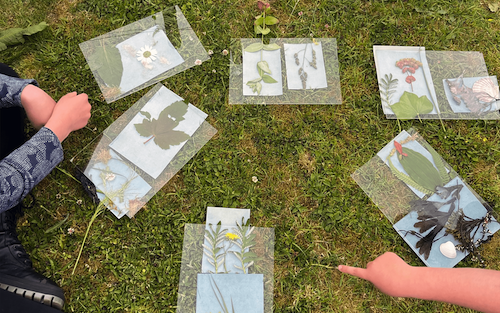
409 66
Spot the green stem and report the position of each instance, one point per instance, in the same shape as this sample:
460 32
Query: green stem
100 208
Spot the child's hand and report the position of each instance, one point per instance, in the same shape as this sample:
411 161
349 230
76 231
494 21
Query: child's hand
37 104
71 112
388 272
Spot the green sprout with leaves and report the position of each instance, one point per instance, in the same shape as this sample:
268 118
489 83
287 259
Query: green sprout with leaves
245 240
261 24
216 253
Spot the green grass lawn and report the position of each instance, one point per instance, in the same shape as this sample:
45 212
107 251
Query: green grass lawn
302 155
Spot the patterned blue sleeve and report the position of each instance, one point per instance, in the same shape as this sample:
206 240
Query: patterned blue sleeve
10 90
26 166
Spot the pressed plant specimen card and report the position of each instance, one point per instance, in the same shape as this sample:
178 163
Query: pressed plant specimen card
230 293
305 67
226 239
261 69
419 84
157 133
142 53
443 215
145 56
146 146
117 181
217 258
284 71
435 211
472 94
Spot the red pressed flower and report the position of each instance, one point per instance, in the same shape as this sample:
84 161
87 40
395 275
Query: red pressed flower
410 79
399 148
405 69
412 70
262 5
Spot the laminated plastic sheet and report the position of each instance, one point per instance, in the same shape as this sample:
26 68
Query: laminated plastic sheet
191 269
427 202
143 53
284 71
419 84
143 149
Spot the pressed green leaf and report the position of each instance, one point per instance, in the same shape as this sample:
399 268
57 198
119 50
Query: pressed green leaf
268 79
254 47
146 114
264 66
271 47
258 29
35 29
259 20
106 60
266 31
420 169
14 36
271 20
410 106
162 129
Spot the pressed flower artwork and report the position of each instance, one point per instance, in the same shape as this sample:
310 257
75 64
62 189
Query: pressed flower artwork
416 84
225 233
226 268
261 69
158 132
113 178
148 144
145 64
305 67
472 94
140 54
431 207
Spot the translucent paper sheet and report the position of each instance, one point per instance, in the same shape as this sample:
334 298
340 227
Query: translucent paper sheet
143 149
142 53
429 205
415 83
203 288
284 71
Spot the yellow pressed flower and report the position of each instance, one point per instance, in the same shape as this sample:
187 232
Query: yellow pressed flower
484 139
232 236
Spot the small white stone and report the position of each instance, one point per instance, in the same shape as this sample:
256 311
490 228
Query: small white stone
448 250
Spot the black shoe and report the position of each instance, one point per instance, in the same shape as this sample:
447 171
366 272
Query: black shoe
16 270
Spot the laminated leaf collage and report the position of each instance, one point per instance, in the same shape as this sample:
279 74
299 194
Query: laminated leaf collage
284 71
143 149
419 84
439 215
227 265
143 53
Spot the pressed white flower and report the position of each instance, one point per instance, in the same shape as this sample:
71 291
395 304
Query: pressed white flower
79 202
110 176
225 52
197 62
255 179
210 52
71 231
214 71
147 53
